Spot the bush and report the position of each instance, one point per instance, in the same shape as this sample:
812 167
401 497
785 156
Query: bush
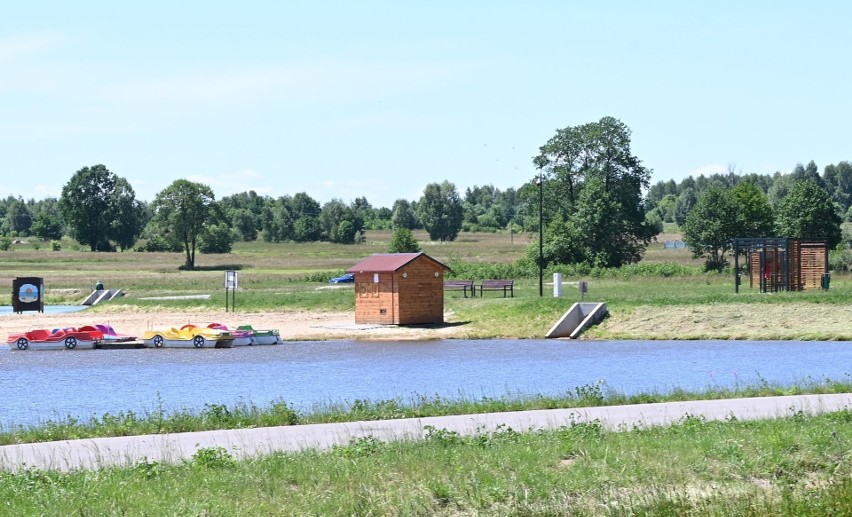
217 239
403 241
55 246
5 243
157 243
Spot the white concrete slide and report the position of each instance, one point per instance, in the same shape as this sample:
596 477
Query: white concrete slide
580 316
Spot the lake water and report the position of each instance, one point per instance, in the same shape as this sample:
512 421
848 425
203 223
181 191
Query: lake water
54 384
6 310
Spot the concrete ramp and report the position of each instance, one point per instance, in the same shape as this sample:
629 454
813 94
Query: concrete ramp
579 317
102 295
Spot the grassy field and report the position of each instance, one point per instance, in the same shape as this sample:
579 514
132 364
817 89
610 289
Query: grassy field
290 276
794 465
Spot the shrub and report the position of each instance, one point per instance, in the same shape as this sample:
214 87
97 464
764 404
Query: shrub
403 241
5 243
55 246
217 239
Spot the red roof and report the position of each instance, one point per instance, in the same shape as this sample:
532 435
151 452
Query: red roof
387 262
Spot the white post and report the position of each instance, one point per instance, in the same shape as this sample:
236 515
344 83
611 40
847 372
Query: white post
557 285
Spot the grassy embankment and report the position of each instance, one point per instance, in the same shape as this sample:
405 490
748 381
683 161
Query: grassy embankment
795 465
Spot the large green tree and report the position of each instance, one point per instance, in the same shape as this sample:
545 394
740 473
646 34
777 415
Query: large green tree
182 210
441 212
595 154
808 212
403 215
99 206
754 214
129 215
711 227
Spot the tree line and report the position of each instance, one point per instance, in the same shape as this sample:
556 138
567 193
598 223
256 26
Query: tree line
590 199
712 211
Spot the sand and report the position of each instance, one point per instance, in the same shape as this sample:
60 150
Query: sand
292 325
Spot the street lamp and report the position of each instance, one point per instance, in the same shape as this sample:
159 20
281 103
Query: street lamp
540 236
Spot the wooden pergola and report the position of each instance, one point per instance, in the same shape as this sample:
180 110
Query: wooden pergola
782 264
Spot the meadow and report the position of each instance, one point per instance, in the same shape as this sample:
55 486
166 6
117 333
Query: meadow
666 296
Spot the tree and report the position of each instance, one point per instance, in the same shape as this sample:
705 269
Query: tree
403 241
129 215
781 185
20 218
441 212
403 215
754 214
340 223
599 154
245 223
305 211
98 206
711 227
685 202
216 238
47 226
182 210
838 181
808 212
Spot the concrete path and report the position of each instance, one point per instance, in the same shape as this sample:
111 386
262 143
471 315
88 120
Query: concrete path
102 452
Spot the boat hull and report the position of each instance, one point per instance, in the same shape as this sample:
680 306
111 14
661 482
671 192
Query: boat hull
76 344
158 341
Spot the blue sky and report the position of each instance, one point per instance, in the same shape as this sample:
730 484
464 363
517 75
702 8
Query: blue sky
378 99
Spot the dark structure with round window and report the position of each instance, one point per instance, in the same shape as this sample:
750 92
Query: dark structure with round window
28 294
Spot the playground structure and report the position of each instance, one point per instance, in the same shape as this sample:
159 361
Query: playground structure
782 264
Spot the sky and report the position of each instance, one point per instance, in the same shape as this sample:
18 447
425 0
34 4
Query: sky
379 98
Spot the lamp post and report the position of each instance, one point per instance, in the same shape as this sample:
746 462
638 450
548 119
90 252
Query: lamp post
540 235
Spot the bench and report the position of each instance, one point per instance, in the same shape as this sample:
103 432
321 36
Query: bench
460 285
498 285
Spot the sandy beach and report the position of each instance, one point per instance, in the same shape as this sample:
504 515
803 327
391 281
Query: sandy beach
292 325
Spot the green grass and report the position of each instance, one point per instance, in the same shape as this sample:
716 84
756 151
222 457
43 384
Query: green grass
795 465
278 413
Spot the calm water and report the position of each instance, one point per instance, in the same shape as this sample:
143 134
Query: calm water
6 310
55 384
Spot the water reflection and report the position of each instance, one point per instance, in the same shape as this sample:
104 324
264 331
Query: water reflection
42 385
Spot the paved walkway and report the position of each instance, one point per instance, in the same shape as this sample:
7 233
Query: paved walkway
101 452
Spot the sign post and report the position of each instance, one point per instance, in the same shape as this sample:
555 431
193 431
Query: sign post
231 284
584 288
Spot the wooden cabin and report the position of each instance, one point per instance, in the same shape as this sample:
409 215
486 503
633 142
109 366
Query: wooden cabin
782 264
399 289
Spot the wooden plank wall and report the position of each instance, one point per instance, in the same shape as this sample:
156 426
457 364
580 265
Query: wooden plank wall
374 301
421 293
796 265
812 265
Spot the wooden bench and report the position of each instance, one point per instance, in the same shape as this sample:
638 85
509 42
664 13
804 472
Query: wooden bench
498 285
460 285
